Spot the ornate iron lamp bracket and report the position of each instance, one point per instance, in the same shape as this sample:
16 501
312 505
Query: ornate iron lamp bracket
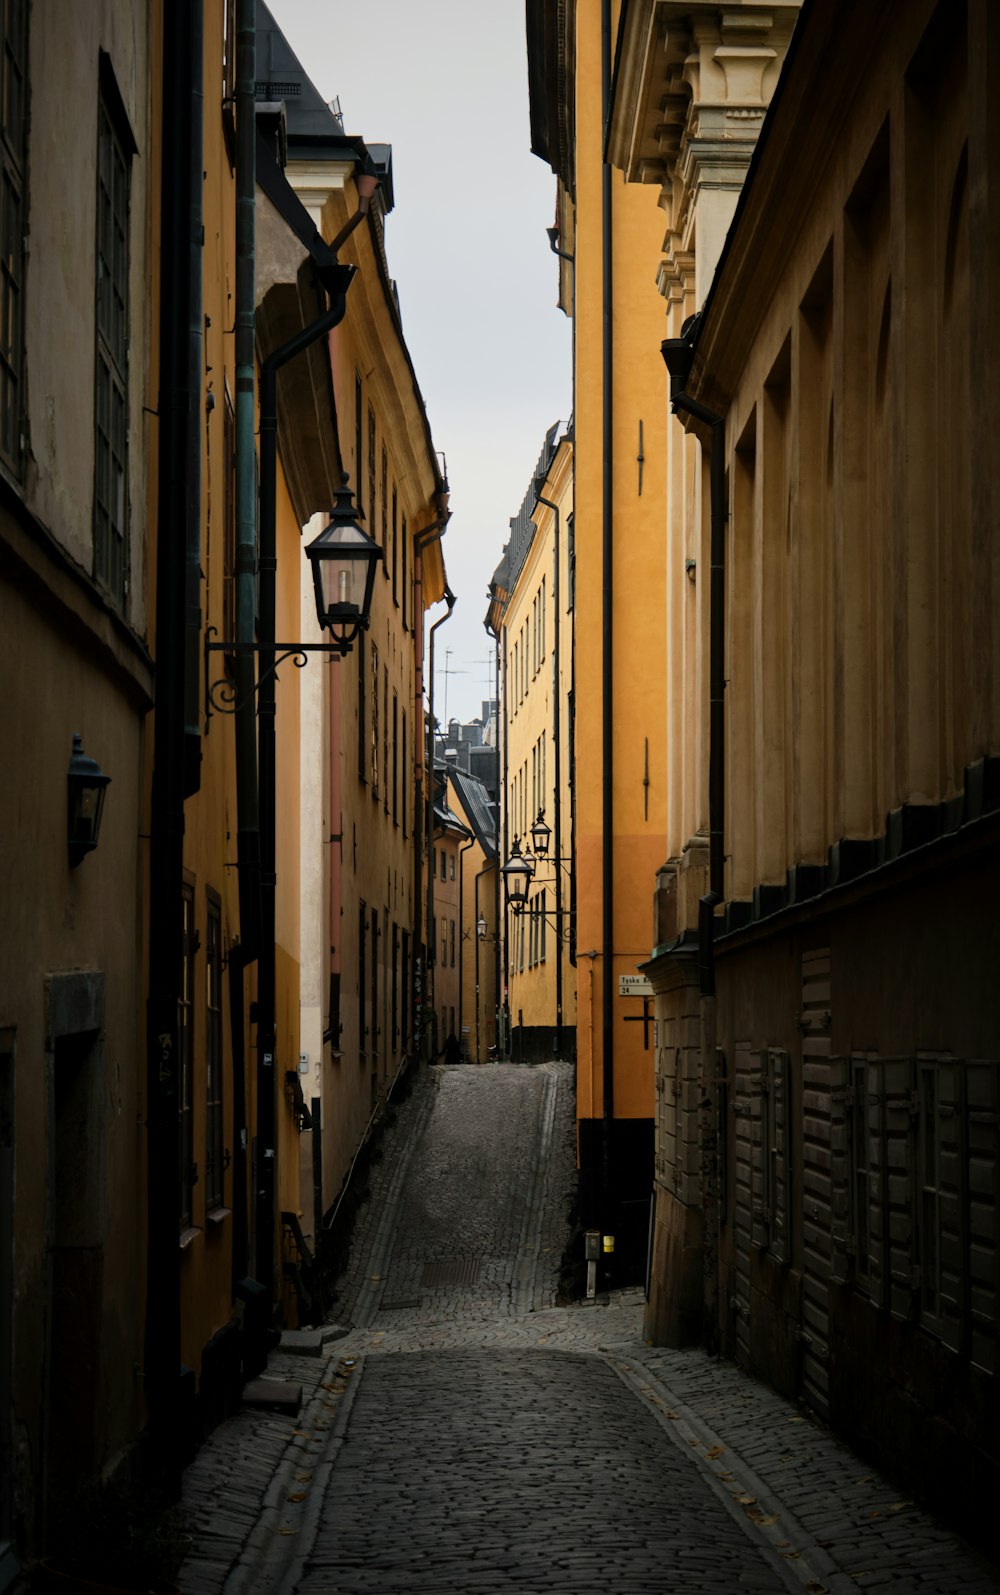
221 696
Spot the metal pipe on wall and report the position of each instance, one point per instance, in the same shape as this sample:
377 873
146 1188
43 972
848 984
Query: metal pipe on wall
557 738
449 598
607 643
179 413
243 953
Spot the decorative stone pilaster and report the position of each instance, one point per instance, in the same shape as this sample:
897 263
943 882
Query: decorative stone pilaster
695 83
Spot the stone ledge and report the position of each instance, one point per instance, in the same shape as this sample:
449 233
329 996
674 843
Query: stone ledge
272 1395
311 1342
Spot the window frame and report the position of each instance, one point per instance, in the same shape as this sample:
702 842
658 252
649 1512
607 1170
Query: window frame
13 228
111 507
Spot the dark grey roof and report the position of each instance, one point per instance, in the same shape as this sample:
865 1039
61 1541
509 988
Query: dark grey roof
475 800
314 127
445 820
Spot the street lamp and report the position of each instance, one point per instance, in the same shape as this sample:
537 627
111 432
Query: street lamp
86 786
517 876
481 927
540 835
343 559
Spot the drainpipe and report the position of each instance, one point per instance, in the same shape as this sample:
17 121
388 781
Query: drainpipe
557 737
479 1055
423 539
449 598
496 861
243 953
178 415
338 279
195 235
461 937
607 640
678 354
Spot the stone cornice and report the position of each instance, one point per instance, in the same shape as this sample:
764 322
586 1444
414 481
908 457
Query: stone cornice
692 86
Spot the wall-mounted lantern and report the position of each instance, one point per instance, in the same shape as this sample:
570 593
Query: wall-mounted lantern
540 836
517 876
344 559
86 786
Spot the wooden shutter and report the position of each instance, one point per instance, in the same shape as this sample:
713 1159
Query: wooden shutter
744 1068
981 1085
901 1193
842 1234
778 1153
760 1139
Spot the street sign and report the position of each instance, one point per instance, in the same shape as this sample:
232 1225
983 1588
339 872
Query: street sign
634 986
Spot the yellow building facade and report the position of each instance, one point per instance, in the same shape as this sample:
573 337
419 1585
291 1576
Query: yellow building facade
360 830
76 596
471 802
826 1200
537 641
608 235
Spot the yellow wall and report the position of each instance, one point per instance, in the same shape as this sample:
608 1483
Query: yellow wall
530 620
372 856
638 394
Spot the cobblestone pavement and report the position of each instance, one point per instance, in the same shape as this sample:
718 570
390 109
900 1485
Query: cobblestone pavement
465 1433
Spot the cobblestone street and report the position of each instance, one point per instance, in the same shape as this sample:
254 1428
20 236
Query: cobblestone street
460 1431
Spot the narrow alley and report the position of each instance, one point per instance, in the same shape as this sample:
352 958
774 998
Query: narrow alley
460 1431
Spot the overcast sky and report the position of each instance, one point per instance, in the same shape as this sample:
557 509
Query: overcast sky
445 82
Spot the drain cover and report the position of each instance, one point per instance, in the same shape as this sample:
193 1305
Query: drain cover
461 1272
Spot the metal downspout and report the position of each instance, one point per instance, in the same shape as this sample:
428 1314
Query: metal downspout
449 598
421 540
178 411
244 952
461 935
607 642
496 861
557 737
195 234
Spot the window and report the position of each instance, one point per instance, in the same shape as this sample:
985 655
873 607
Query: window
185 1080
385 513
114 152
403 537
395 987
214 1157
229 519
362 729
359 411
444 865
371 471
405 982
406 782
373 1049
395 759
451 867
362 974
12 95
541 930
229 79
395 540
375 735
451 941
385 737
570 563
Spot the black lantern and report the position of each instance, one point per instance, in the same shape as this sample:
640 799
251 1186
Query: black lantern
517 875
481 927
540 834
86 785
344 559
